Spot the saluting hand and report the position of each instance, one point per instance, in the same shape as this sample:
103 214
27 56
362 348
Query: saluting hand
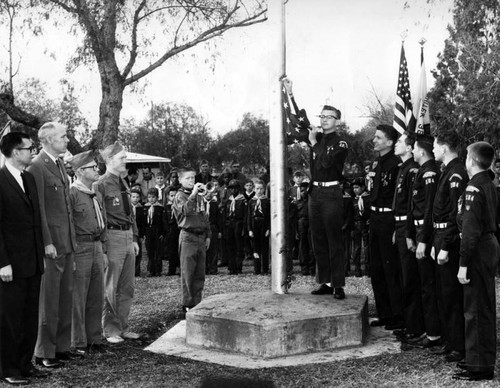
462 275
6 273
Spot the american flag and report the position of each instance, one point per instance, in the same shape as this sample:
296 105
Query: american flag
422 104
295 125
404 120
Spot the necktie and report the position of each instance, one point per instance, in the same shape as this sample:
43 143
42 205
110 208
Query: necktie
258 207
98 212
151 211
298 193
61 169
126 204
25 185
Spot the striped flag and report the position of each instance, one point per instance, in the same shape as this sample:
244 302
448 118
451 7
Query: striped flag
422 103
404 120
295 125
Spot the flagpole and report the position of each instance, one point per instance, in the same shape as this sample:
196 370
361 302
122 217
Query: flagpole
277 149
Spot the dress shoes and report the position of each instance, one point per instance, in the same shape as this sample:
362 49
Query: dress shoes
115 339
16 380
396 325
339 293
36 373
380 322
473 376
130 335
411 337
323 290
454 356
51 363
69 355
426 343
440 350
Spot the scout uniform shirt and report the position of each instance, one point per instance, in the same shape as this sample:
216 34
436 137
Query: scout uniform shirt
384 173
190 213
403 193
327 158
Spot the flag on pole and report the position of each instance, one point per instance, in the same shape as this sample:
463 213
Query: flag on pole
295 125
423 120
404 120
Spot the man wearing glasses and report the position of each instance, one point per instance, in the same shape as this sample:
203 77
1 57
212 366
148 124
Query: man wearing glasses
21 261
90 227
328 154
56 295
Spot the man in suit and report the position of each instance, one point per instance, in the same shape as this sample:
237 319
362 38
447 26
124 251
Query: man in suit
56 295
21 261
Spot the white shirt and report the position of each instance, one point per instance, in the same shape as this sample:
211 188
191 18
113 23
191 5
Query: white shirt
16 173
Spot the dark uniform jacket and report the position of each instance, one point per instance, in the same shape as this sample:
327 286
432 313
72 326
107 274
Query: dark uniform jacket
327 158
264 212
384 173
451 185
156 225
357 215
403 194
423 193
140 219
477 215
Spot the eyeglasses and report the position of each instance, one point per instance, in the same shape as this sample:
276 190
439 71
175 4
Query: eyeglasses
95 167
330 117
30 149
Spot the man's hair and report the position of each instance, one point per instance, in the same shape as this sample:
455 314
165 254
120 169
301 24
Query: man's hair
482 153
298 174
146 168
449 137
259 182
359 182
10 141
183 171
426 143
136 190
160 173
169 189
203 161
132 171
410 139
46 130
389 132
249 181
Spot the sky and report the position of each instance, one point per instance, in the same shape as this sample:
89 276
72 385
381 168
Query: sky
338 52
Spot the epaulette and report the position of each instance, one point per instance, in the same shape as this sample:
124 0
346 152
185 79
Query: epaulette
456 176
429 174
472 189
343 144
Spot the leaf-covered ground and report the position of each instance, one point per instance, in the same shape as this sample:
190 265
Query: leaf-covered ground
156 309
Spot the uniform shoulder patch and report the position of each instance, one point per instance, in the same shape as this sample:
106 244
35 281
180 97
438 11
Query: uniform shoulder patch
457 176
472 189
343 144
429 174
414 170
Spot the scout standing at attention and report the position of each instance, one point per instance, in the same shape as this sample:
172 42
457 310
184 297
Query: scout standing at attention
478 263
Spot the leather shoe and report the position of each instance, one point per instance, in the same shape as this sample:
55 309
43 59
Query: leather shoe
397 325
36 373
339 293
426 343
473 376
440 350
16 380
454 356
411 337
379 322
51 363
323 290
69 355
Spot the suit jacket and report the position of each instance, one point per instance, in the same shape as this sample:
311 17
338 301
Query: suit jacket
21 243
55 204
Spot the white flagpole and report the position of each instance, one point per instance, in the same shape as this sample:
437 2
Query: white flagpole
277 148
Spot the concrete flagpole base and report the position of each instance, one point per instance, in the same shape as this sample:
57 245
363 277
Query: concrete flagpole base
263 329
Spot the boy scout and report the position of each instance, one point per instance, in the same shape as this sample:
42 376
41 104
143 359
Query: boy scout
478 262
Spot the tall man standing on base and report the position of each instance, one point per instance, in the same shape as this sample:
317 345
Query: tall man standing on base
56 295
121 246
328 154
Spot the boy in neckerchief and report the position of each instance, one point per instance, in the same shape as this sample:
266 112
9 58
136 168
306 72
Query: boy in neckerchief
172 235
259 226
248 193
140 219
306 256
155 231
359 233
161 186
194 238
234 216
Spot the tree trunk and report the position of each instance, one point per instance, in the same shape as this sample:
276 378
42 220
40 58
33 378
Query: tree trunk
112 87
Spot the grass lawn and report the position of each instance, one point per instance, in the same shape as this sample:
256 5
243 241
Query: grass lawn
157 308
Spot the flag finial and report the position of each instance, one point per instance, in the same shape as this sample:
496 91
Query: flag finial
404 35
422 41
